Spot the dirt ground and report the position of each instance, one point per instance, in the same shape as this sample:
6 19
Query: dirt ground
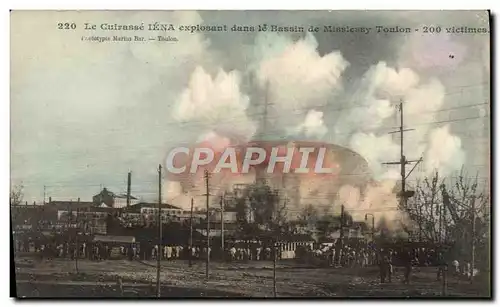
250 279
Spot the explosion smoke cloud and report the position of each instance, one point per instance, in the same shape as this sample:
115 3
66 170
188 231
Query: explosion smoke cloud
216 103
311 81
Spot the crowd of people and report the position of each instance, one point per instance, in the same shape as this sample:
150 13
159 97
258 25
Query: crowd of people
142 251
358 255
65 249
341 257
348 256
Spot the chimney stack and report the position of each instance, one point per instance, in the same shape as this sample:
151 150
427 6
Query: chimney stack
129 183
50 199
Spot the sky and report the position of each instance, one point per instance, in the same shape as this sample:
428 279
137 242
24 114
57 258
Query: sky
84 114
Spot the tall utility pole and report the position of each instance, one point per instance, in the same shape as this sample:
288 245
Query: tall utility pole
445 229
419 222
341 235
191 235
275 255
473 234
444 284
208 222
275 249
266 105
402 161
261 173
222 224
70 219
129 183
373 225
76 240
158 258
440 227
44 193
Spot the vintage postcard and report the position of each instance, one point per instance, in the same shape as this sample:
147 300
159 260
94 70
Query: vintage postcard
250 154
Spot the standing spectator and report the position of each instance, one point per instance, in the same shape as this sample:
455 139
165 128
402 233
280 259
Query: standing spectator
248 254
364 261
441 265
169 252
456 266
193 252
179 251
174 252
84 249
406 258
385 266
232 252
155 251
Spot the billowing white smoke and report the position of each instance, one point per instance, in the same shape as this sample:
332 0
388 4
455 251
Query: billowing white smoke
441 150
444 152
370 106
297 78
193 186
216 104
373 108
391 82
376 149
218 109
216 142
176 195
313 125
299 81
420 106
382 89
379 93
173 189
378 199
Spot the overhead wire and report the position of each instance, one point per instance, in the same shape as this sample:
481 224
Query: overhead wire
461 89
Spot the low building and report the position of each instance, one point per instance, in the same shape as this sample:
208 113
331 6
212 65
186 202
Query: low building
113 200
114 239
169 213
228 216
230 229
288 244
91 220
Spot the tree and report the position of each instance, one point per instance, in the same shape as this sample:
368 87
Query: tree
326 225
309 215
461 198
423 208
241 207
329 223
267 208
280 217
16 195
265 204
442 211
